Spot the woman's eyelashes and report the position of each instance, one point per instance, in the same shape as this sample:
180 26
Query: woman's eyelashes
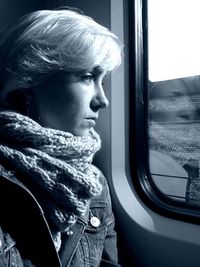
88 77
92 78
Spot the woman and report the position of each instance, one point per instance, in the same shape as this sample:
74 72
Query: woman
55 205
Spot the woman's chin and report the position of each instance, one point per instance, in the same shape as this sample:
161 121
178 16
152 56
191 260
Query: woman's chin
81 132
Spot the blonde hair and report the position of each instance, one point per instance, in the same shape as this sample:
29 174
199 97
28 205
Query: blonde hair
46 42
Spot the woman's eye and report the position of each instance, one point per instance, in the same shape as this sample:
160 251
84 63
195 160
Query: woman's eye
88 77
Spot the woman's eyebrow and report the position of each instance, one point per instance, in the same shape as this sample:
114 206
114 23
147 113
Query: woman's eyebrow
98 69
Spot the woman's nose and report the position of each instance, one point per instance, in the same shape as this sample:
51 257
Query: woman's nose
100 100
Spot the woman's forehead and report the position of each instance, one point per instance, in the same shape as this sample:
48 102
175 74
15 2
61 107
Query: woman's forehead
98 70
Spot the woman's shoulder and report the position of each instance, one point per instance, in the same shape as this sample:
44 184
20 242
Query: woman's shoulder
103 179
104 198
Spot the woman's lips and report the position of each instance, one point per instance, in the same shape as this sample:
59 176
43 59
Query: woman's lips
91 121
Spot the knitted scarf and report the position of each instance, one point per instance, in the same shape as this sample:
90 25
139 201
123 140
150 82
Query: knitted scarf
54 165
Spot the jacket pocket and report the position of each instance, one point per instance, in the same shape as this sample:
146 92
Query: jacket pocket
92 242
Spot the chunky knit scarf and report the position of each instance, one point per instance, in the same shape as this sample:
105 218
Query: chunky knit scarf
54 165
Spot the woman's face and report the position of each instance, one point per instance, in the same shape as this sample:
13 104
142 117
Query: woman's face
71 101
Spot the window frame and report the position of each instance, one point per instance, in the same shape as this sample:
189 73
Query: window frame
138 84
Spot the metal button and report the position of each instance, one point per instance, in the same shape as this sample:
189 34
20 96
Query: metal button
70 232
95 222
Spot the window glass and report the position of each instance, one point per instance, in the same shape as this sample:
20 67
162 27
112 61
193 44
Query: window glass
174 98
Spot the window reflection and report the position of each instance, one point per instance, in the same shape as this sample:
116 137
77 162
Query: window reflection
174 137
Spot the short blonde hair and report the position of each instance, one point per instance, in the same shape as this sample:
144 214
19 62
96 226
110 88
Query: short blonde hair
49 41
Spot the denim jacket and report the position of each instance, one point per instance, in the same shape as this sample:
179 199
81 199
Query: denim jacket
26 241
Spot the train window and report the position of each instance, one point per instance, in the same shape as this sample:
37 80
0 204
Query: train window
173 101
